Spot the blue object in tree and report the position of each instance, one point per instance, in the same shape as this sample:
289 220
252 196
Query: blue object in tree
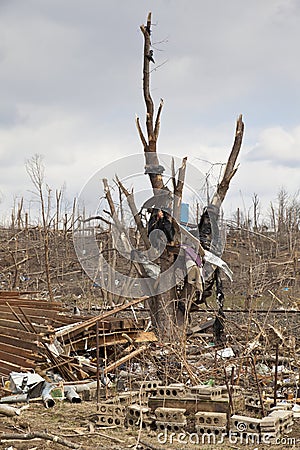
184 213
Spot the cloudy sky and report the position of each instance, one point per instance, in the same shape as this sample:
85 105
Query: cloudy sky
71 85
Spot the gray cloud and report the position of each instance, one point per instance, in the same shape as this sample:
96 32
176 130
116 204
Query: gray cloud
71 82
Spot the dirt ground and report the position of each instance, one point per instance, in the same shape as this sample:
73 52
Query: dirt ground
76 423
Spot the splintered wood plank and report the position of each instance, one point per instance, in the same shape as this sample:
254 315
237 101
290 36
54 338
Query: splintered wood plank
38 304
76 329
112 339
6 367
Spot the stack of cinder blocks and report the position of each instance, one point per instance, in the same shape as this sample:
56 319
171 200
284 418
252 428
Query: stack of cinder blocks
269 428
275 425
170 419
111 414
138 416
285 420
211 423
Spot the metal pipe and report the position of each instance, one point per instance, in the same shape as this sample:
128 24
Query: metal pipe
83 387
71 394
18 398
46 396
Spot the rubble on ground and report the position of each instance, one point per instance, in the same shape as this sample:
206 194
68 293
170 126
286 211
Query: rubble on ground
137 383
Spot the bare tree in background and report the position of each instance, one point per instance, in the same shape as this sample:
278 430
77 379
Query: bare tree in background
256 202
35 170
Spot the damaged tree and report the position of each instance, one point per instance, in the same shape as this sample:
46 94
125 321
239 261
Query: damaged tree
162 306
167 310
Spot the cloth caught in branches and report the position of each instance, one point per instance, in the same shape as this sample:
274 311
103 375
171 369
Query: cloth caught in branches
161 220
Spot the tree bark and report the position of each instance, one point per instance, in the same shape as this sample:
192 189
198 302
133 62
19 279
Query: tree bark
230 168
162 306
38 435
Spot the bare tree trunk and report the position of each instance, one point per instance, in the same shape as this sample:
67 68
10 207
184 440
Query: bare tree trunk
162 306
35 170
230 168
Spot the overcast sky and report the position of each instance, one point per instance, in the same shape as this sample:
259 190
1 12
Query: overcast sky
71 84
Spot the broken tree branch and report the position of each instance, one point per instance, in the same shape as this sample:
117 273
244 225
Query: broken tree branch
157 121
140 131
178 190
38 435
134 211
230 168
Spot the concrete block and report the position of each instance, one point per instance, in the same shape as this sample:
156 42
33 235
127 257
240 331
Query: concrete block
207 392
170 414
112 409
127 398
107 420
135 423
217 431
137 411
252 401
171 391
211 419
270 425
175 427
147 386
282 415
244 424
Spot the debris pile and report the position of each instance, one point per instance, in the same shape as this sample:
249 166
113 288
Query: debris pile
246 385
40 335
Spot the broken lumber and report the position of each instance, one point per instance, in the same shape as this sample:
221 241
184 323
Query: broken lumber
124 359
78 327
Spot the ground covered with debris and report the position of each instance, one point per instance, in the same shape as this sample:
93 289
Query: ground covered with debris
141 393
80 425
197 392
